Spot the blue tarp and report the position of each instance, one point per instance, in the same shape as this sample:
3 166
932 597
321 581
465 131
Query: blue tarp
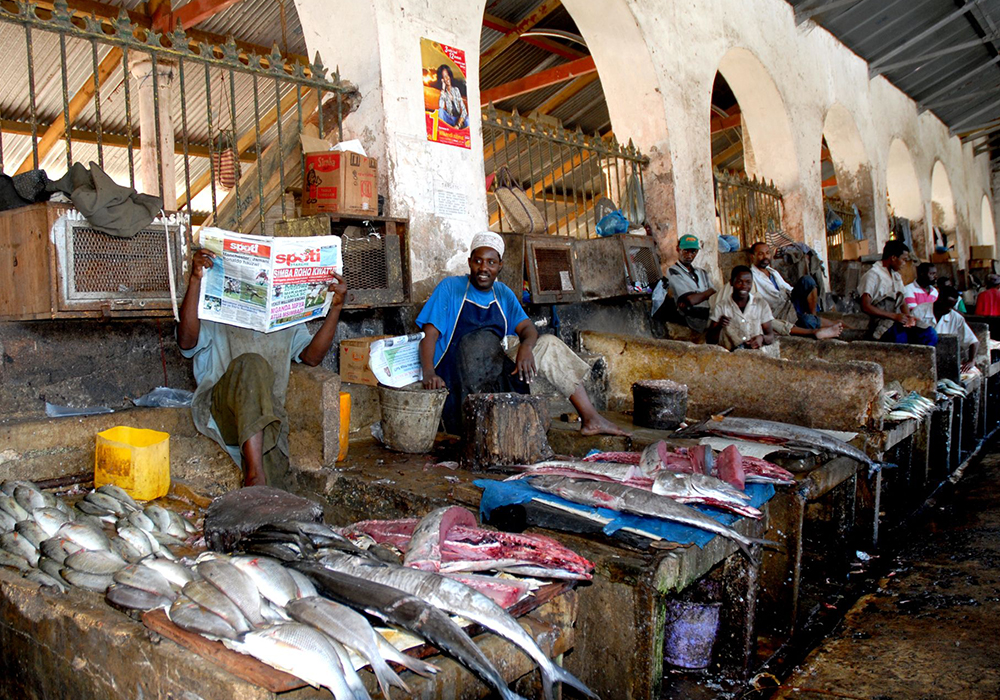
497 494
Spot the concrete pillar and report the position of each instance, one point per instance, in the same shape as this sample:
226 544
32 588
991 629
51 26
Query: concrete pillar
150 110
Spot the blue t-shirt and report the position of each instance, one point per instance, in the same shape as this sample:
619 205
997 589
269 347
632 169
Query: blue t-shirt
445 304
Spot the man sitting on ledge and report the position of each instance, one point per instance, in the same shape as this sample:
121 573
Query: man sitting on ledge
882 298
740 320
794 308
940 315
465 322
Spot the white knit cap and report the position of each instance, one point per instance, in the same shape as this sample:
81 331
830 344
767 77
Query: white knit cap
488 239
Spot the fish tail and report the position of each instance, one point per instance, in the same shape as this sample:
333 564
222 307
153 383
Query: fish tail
769 544
387 677
559 674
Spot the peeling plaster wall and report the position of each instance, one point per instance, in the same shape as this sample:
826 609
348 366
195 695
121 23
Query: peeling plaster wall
657 60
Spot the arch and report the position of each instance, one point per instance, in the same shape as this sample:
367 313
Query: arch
851 166
765 118
902 185
988 230
942 199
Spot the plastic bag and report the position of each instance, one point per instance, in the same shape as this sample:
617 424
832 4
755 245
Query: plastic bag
611 224
165 397
634 206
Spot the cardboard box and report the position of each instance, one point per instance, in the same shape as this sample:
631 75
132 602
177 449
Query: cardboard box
340 183
942 257
980 264
354 355
854 250
981 252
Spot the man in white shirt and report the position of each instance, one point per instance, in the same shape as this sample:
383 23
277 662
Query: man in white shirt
942 317
689 288
881 292
741 320
793 307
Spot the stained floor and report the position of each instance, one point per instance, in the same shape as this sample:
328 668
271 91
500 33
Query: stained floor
931 630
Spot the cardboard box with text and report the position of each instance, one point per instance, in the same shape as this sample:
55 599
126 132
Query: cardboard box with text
340 183
354 355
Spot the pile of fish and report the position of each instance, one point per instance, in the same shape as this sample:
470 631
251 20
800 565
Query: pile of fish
53 544
912 405
304 609
951 389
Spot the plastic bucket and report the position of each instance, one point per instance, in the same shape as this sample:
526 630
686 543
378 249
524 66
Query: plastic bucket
345 425
410 417
689 633
136 459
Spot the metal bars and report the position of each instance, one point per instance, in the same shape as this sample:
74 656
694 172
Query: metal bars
747 209
76 107
565 173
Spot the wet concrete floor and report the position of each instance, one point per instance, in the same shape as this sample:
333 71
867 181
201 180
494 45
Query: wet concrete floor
930 629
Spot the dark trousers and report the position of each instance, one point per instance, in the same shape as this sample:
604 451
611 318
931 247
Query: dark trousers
913 336
243 405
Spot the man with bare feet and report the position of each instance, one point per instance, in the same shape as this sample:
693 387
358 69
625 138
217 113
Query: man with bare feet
465 322
794 308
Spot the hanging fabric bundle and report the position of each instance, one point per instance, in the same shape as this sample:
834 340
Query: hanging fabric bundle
225 160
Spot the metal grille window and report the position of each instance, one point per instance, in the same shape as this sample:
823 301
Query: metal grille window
565 173
747 209
364 262
644 267
552 270
104 264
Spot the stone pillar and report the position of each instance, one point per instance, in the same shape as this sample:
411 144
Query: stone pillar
150 110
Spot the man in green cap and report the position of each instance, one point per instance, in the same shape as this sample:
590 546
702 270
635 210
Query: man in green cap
688 285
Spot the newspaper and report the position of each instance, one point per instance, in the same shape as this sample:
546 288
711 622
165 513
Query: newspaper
266 283
395 362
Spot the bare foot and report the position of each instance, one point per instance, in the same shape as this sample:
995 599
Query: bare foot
826 332
599 425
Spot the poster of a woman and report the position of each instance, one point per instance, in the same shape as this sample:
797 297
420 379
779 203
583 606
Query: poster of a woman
446 108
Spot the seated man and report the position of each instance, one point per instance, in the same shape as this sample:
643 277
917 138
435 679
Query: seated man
988 301
465 321
943 282
688 286
881 292
942 317
242 376
922 290
794 308
740 320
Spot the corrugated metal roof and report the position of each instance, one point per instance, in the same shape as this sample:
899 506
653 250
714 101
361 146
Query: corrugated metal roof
942 53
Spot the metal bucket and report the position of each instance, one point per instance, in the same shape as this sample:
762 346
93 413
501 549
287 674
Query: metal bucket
689 633
410 417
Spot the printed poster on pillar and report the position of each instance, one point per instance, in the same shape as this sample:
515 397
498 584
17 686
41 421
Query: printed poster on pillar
446 102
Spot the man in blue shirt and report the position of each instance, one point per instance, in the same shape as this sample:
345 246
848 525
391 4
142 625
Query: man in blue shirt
464 322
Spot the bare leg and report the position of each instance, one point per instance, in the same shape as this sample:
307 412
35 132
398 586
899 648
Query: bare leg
592 422
832 331
253 460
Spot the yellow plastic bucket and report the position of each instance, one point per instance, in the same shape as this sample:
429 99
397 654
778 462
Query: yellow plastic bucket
136 459
345 425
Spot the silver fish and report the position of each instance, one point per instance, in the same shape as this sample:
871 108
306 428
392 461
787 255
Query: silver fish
119 494
88 508
236 585
126 551
90 520
175 573
177 526
7 487
209 597
141 521
91 582
31 531
50 566
192 617
458 599
29 498
347 627
159 515
84 535
12 508
49 519
304 586
44 579
134 598
100 562
102 500
354 681
138 539
145 579
58 548
271 578
13 561
301 651
18 544
7 521
626 499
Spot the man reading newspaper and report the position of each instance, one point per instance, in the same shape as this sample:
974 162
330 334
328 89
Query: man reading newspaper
242 376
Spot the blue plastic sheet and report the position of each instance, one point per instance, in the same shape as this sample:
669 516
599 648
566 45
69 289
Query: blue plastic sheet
497 494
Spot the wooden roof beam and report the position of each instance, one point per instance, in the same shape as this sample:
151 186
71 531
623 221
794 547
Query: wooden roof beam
566 93
537 14
191 14
501 25
720 124
539 80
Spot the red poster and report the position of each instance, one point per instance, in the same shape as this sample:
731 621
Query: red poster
446 102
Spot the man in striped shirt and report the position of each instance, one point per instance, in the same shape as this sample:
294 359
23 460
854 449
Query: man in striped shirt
921 290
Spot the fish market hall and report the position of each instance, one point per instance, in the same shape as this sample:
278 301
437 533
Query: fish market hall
524 348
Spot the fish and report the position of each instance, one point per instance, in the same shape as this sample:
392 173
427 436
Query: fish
50 566
176 525
783 433
12 508
145 579
31 531
119 494
134 598
209 597
29 497
98 583
502 591
236 585
126 551
320 534
347 627
704 490
618 457
190 616
18 544
49 519
103 500
410 613
8 486
44 579
301 651
729 467
658 456
424 550
100 562
58 548
84 535
458 599
142 521
175 573
354 682
159 516
139 540
13 561
304 586
7 521
621 472
269 576
626 499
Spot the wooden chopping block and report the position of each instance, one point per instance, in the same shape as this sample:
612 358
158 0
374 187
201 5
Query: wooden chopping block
505 429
